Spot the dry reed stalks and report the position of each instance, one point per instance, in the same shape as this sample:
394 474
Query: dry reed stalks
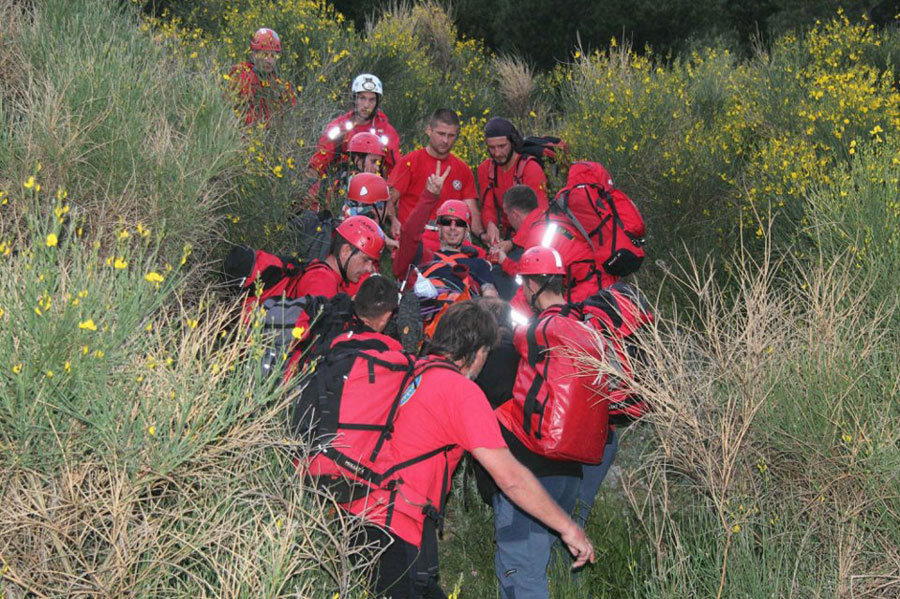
515 78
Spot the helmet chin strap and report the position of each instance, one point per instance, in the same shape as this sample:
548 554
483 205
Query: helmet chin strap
342 266
540 290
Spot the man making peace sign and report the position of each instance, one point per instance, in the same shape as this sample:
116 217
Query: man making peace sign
409 177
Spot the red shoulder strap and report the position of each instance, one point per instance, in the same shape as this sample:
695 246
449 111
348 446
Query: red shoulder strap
520 167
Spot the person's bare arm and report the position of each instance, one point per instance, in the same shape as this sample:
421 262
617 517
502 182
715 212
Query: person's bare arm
477 228
392 213
523 489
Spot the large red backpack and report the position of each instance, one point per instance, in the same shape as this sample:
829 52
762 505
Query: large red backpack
558 410
346 411
618 312
606 216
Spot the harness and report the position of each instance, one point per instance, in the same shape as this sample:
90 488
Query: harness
519 171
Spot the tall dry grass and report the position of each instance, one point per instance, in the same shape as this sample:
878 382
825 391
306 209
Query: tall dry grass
770 465
517 85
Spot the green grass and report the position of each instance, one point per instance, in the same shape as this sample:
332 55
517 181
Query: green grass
140 454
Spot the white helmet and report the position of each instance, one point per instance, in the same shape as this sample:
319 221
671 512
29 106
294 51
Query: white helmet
366 82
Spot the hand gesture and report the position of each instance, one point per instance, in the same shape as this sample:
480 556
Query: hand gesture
435 182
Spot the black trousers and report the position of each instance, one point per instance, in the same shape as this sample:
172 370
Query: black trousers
403 571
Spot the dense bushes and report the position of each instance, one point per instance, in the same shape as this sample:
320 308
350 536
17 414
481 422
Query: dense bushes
141 455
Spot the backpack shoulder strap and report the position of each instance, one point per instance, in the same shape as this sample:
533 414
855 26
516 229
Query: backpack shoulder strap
535 355
562 201
521 163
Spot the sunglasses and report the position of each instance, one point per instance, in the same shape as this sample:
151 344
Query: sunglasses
456 222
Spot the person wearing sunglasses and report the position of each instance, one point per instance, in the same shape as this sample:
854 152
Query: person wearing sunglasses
457 261
258 91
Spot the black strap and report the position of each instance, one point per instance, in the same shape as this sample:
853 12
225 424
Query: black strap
411 374
388 429
419 458
535 356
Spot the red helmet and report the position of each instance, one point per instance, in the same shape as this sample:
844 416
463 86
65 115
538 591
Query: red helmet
541 260
456 208
364 234
368 188
366 143
265 40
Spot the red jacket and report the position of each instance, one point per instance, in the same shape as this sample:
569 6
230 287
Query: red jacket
332 145
260 97
311 278
412 251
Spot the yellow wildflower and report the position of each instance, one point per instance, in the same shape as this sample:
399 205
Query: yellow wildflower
154 277
120 263
151 430
87 325
298 332
52 240
17 368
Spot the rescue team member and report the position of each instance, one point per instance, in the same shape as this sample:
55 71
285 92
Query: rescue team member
367 152
355 250
368 195
408 180
256 85
533 228
366 116
446 408
453 221
505 167
371 309
523 544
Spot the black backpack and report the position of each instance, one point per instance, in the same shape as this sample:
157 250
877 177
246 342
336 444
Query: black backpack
546 149
325 319
313 232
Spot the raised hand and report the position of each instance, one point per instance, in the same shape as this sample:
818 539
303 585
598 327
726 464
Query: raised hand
435 182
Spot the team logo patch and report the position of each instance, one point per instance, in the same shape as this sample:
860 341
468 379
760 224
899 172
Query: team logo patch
413 386
457 184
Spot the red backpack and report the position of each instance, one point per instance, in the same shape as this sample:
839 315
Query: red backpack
346 411
606 216
618 312
557 409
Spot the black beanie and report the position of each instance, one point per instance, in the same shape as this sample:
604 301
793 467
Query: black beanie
498 127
